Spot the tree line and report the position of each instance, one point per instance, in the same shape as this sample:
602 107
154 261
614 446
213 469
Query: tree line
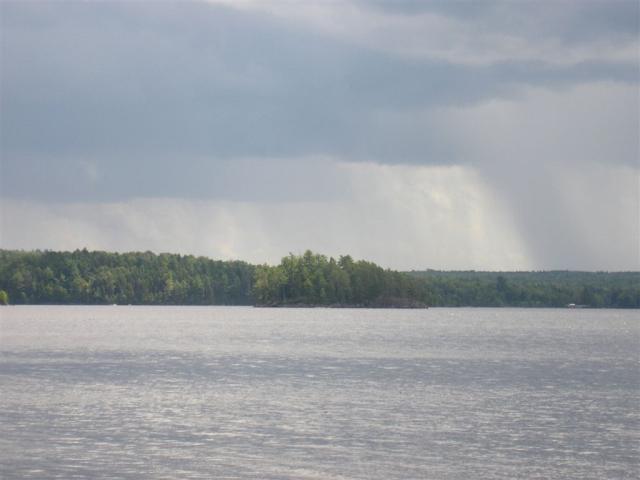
532 289
83 277
145 278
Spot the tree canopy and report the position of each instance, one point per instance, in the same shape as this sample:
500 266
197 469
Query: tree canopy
532 289
145 278
312 279
85 277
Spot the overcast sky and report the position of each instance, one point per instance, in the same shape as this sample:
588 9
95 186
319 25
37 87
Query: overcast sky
450 135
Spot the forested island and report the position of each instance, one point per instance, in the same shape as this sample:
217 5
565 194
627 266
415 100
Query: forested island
145 278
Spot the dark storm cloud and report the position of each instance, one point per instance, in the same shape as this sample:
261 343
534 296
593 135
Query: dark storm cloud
568 20
113 100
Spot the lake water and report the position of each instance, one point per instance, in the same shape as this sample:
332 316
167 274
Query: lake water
226 393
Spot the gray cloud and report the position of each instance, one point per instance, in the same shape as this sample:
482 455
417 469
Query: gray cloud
216 112
568 20
559 168
407 207
107 100
100 179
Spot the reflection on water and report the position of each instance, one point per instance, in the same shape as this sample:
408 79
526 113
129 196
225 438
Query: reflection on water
184 393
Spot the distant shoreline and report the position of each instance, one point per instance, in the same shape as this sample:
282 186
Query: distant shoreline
313 307
309 280
337 306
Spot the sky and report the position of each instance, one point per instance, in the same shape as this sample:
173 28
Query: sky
435 134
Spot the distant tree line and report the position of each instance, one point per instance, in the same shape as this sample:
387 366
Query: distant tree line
145 278
84 277
532 289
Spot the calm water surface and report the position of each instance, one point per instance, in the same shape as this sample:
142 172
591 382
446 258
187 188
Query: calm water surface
226 393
